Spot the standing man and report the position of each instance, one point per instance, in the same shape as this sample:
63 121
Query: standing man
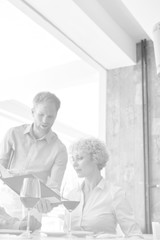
35 148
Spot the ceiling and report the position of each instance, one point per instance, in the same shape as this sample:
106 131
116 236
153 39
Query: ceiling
146 12
103 31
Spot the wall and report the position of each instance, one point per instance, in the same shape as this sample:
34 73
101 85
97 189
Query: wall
154 118
125 134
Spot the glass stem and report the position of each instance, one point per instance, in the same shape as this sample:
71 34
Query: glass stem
28 221
69 223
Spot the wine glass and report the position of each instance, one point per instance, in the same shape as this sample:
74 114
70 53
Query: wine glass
29 195
70 200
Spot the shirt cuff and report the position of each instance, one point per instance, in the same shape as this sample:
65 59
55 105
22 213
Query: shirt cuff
16 224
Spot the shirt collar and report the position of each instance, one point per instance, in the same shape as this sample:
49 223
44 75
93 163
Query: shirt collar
100 185
28 129
47 137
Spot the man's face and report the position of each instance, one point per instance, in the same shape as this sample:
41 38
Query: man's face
44 115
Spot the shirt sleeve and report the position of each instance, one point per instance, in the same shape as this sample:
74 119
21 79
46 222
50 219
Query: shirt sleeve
124 215
58 170
6 149
8 222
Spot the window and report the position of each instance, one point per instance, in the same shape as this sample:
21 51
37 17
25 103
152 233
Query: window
34 61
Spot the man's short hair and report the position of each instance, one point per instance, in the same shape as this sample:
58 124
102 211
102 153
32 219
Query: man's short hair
43 97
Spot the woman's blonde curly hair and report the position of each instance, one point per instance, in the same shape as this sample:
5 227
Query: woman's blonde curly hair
93 146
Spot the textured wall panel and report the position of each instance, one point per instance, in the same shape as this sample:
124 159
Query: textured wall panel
125 134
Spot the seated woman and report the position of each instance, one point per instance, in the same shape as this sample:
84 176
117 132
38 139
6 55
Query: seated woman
8 222
102 206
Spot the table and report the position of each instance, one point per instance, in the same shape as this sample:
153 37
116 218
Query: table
41 237
148 236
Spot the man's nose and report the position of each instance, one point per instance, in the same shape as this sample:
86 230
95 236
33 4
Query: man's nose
45 119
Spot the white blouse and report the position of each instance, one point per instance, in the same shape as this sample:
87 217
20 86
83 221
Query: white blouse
106 207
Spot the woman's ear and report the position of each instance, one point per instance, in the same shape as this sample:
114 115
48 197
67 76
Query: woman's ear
94 158
32 111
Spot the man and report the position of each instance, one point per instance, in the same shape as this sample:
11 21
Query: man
35 148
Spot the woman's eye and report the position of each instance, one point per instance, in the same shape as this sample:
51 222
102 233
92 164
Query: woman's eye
77 159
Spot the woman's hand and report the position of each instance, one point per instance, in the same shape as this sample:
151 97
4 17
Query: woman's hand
33 225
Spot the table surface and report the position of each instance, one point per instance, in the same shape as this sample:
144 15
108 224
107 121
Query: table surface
45 237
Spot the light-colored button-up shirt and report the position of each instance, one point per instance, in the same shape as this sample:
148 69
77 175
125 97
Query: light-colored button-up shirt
106 207
45 157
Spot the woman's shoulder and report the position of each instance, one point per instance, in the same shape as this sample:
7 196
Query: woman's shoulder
74 193
114 189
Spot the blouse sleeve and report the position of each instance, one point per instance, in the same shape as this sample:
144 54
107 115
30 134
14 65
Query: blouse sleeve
125 216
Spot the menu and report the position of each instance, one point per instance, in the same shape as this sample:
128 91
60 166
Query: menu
15 183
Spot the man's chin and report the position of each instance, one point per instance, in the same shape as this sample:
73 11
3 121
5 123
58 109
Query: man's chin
45 129
80 175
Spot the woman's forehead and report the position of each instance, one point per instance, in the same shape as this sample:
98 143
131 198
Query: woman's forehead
79 152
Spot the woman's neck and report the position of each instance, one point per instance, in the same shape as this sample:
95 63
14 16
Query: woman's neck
92 181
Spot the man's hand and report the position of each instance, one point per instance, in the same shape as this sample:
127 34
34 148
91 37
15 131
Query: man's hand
33 225
3 223
44 206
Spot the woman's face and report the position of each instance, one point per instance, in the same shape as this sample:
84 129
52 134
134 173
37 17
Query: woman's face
83 164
